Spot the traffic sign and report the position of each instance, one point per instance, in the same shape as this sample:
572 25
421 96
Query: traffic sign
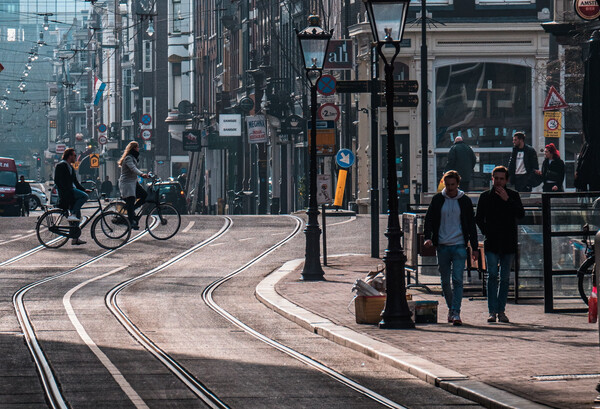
102 128
403 101
94 160
552 121
344 158
102 139
554 100
146 134
60 147
366 86
326 85
329 112
146 119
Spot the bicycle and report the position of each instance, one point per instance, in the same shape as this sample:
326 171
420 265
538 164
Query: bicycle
23 200
166 215
110 230
587 268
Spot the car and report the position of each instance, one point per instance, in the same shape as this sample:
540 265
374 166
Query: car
53 196
172 193
37 198
88 184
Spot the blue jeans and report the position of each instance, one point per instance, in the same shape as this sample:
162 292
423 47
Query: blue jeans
451 262
497 295
80 199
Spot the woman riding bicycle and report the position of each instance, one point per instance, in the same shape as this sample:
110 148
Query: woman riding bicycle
128 182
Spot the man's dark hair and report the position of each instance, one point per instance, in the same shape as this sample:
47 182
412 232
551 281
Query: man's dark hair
451 174
519 135
68 152
501 169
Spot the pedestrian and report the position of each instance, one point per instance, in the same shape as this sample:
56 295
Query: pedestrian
71 195
182 179
450 226
553 170
23 190
498 210
462 159
107 187
523 164
128 183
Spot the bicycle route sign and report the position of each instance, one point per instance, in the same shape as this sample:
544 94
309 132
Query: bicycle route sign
326 85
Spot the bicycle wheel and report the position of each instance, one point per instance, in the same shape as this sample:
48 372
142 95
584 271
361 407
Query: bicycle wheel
52 228
168 221
111 230
586 278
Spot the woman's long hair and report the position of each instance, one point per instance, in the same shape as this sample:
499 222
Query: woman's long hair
553 151
131 146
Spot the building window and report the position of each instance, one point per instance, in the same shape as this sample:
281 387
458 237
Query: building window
177 17
484 103
148 106
147 56
11 34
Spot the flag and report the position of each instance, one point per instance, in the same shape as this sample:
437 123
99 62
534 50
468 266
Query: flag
99 88
1 67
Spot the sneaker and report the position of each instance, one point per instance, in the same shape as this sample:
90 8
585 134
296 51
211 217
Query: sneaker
502 317
456 320
73 218
450 316
77 242
492 318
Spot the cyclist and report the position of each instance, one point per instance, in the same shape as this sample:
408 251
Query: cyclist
128 182
71 195
23 190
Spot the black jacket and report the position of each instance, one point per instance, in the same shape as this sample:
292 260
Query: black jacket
433 220
22 188
554 171
462 159
64 178
530 161
497 220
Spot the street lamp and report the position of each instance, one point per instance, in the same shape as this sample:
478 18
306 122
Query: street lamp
387 18
313 46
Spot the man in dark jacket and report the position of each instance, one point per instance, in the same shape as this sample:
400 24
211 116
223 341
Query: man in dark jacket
107 187
23 190
71 195
523 164
450 226
462 159
497 212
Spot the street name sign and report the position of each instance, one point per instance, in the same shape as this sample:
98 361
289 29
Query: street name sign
365 86
403 100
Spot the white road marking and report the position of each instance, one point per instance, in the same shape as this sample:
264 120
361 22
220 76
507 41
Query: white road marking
115 373
345 221
216 244
17 237
189 226
246 239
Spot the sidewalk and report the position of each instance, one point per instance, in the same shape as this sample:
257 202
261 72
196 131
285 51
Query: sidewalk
535 361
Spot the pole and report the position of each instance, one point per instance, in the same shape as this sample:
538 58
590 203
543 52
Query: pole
424 103
374 192
396 314
312 264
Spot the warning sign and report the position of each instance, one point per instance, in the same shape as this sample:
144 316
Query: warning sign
554 100
552 124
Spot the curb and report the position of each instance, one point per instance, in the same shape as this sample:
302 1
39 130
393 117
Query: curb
434 374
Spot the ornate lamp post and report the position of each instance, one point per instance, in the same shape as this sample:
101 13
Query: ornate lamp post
313 46
387 18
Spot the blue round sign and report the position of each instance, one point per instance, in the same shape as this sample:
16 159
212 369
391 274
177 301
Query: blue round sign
102 128
326 85
345 158
146 119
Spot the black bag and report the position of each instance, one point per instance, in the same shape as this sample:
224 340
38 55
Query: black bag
534 179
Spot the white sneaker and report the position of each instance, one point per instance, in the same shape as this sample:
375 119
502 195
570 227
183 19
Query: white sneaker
73 218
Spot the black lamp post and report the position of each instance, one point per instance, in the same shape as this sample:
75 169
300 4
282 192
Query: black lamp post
313 45
387 18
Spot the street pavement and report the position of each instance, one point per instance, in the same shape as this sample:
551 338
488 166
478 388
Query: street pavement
537 360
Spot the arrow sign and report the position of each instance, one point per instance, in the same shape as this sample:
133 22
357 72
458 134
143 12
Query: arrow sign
344 158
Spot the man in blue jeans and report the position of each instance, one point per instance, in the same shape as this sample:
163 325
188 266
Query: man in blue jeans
450 225
497 212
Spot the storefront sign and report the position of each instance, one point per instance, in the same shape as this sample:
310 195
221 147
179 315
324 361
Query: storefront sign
257 129
230 125
192 140
324 189
339 55
587 9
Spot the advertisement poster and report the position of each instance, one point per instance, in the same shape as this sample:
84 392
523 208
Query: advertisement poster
324 189
257 129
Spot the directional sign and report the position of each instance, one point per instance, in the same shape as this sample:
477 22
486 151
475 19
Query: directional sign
146 134
146 119
403 101
329 112
365 86
94 160
326 85
102 139
344 158
102 128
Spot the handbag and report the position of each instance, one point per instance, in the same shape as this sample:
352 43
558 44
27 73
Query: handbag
534 179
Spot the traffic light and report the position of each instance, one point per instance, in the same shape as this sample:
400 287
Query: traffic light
38 161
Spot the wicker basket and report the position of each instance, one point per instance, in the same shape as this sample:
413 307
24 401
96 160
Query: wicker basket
368 308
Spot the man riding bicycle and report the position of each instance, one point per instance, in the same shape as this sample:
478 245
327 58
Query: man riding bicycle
71 195
23 190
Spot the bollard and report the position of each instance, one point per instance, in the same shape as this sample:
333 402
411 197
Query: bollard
597 256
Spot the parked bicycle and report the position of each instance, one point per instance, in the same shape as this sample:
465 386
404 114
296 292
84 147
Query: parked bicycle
156 210
586 274
110 230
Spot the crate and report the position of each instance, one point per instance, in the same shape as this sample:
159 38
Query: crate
368 308
426 312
